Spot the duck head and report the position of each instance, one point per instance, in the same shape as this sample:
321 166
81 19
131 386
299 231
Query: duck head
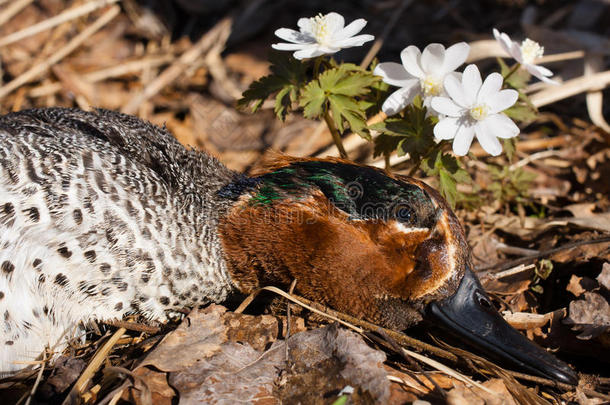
376 245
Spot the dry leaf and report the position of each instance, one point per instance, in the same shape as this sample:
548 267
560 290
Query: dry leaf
461 395
574 286
590 316
604 276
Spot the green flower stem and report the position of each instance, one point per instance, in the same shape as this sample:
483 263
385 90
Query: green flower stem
335 133
386 158
511 71
316 66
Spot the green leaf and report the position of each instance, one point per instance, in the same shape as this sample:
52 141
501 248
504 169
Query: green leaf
287 77
353 83
337 89
312 100
510 147
345 108
282 102
385 144
518 79
448 187
521 112
259 91
449 173
416 129
342 400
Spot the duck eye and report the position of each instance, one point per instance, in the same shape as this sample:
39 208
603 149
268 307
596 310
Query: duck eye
404 214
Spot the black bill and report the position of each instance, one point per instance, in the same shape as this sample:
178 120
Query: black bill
470 314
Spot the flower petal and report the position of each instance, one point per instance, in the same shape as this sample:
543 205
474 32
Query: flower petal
305 24
491 86
540 72
410 57
446 128
432 58
504 40
455 90
310 52
487 139
393 73
515 52
471 83
399 100
294 36
358 40
455 55
463 139
352 29
445 105
501 100
501 126
283 46
334 22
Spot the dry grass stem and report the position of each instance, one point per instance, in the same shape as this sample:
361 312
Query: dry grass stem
93 366
350 321
13 10
207 41
54 21
571 88
74 43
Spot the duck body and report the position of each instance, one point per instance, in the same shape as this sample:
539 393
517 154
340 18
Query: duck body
103 215
92 225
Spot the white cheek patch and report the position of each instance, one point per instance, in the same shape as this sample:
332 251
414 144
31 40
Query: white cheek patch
406 229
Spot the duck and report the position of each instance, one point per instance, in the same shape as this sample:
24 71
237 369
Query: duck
103 215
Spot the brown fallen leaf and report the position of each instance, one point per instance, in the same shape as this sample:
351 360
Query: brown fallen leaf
210 358
604 276
574 286
590 316
156 381
462 395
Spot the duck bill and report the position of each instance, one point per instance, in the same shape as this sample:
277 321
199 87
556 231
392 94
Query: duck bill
470 315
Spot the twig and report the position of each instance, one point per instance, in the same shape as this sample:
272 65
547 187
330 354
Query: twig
119 70
74 43
396 347
13 10
535 156
179 66
571 88
386 31
441 367
54 21
93 366
136 327
38 379
350 321
494 268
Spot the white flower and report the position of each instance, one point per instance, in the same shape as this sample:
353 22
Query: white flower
475 108
526 54
420 73
322 34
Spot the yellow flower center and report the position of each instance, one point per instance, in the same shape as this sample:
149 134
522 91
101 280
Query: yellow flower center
320 30
479 112
431 86
531 50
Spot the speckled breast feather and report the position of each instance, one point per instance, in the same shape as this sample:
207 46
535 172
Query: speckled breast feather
90 216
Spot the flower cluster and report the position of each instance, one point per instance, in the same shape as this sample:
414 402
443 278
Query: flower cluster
433 102
466 106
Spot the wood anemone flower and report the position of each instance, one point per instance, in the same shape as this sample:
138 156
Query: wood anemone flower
321 35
